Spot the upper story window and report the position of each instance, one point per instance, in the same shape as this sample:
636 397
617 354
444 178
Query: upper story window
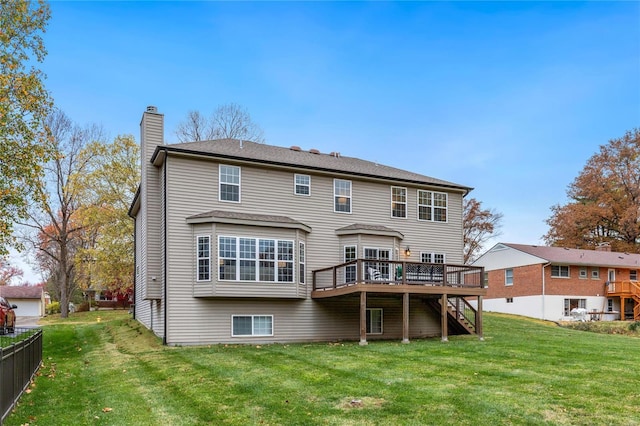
255 259
432 206
342 196
350 253
595 273
204 258
559 271
229 183
583 272
398 202
633 275
302 184
508 276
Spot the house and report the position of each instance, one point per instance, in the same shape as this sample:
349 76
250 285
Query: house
29 299
549 282
239 242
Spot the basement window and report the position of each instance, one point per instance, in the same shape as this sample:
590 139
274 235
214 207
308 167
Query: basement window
374 321
252 325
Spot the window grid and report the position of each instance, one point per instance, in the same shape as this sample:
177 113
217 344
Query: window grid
559 271
633 275
251 259
204 258
342 196
429 257
432 206
398 202
301 262
302 184
350 253
229 183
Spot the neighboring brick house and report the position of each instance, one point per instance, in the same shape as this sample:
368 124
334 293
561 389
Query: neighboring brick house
243 242
548 282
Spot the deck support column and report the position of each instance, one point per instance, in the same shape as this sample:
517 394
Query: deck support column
405 318
479 331
363 318
443 317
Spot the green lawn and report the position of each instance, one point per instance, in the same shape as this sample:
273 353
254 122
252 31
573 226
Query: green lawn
114 372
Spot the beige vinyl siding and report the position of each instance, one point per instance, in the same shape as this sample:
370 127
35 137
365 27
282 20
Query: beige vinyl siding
192 188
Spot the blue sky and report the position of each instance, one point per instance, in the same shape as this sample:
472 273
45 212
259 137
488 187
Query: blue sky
508 98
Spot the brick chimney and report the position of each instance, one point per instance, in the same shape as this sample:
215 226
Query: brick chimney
603 247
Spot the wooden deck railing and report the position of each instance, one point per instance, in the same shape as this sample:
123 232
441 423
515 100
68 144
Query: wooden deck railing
627 288
463 311
387 272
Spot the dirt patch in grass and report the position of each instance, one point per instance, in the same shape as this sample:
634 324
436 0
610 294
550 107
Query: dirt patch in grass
360 403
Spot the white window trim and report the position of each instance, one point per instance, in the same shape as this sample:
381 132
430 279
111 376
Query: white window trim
349 197
369 260
586 273
257 259
220 183
432 206
406 197
370 325
507 284
302 248
198 258
433 256
296 184
252 326
560 276
595 273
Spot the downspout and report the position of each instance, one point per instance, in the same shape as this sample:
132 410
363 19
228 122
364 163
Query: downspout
543 288
164 231
135 265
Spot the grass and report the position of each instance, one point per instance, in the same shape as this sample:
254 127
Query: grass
526 372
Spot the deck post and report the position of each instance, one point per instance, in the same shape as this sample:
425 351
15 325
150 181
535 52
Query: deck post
405 318
479 331
363 318
443 318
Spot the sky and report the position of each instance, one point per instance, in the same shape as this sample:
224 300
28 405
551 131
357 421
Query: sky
510 98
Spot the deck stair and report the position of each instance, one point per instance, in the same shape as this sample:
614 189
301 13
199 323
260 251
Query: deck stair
461 316
626 290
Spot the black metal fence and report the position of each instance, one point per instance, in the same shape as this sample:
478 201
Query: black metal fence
19 361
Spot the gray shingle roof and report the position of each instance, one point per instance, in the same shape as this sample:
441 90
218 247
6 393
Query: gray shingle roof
220 214
571 256
20 292
235 149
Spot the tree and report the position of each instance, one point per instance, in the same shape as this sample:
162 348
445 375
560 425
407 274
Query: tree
229 121
8 272
604 204
57 231
108 190
478 226
24 103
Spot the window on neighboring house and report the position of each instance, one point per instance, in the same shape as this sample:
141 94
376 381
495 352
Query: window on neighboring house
486 280
229 183
342 196
609 305
255 259
302 184
570 304
583 272
509 299
252 325
376 264
432 206
508 277
559 271
301 262
398 202
350 253
633 275
137 270
204 258
374 320
595 273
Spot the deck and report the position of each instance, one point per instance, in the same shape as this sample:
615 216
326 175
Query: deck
626 290
442 285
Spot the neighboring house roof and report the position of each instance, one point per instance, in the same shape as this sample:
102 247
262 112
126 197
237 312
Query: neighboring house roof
21 292
295 157
571 256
